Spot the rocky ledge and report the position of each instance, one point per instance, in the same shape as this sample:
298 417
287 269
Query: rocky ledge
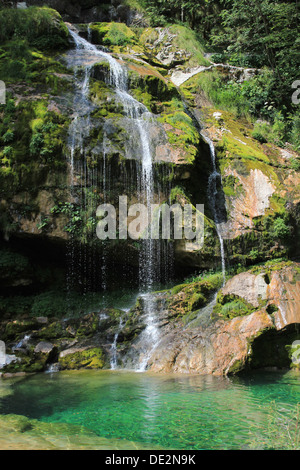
251 322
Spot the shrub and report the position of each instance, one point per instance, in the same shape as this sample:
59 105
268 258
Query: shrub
259 136
280 229
294 136
8 136
295 164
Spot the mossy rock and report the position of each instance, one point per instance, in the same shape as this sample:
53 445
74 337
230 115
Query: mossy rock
112 34
185 45
15 328
88 325
29 363
148 80
55 330
230 306
41 27
294 351
88 359
189 297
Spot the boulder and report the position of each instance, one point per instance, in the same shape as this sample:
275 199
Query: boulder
44 347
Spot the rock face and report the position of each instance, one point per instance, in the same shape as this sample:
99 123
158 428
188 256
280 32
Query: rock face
251 287
253 201
220 349
73 344
226 347
50 190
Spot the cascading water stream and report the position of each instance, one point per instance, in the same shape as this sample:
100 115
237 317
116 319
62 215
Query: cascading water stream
140 117
113 349
212 196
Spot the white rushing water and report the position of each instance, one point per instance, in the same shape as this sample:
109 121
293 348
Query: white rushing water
113 349
85 55
212 196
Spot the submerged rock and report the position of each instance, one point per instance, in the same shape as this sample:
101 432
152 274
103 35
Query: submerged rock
21 433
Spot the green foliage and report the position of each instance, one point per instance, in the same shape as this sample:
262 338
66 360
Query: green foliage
261 34
223 93
82 222
267 34
188 41
41 27
200 15
46 140
43 223
195 293
8 136
265 132
294 127
73 211
7 151
295 164
280 229
12 264
49 304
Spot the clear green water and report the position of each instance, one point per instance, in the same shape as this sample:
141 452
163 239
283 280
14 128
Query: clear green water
170 411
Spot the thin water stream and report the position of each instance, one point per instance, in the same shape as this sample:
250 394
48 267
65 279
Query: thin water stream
212 197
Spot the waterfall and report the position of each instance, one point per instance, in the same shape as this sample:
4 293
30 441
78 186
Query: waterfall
22 343
150 337
113 349
79 176
212 197
140 118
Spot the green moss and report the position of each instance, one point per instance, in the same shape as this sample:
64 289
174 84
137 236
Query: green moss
37 148
41 27
186 39
88 327
236 367
14 329
29 364
89 359
230 306
53 330
177 289
112 34
147 80
191 296
182 133
231 186
274 265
